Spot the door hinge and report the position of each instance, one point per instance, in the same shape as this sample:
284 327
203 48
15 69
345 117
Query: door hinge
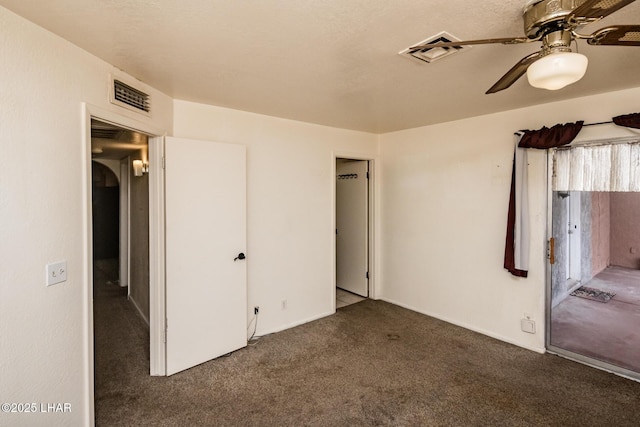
367 175
162 162
551 250
367 274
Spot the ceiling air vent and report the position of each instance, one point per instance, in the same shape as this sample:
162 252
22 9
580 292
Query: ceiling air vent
434 53
129 97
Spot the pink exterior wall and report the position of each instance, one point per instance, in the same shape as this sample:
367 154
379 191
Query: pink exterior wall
625 230
600 231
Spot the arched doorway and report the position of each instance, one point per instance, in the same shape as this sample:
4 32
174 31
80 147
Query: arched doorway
105 222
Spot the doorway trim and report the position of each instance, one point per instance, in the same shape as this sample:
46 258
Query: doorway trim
157 307
90 111
374 224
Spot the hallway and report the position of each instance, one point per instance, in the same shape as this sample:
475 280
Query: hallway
121 339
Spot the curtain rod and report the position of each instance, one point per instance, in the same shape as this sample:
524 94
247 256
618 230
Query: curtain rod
599 123
595 143
584 125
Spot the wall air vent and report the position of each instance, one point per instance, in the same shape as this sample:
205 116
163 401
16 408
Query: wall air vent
130 97
433 54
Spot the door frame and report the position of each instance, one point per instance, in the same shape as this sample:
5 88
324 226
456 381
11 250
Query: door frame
90 111
558 351
374 224
157 290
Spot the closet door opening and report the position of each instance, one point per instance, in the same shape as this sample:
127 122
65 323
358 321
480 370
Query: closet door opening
352 231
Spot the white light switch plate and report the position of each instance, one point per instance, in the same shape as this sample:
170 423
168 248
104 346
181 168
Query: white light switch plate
56 272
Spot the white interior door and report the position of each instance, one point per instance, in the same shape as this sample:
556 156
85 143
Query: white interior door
352 228
206 290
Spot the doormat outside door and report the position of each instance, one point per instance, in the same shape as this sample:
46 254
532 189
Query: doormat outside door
593 294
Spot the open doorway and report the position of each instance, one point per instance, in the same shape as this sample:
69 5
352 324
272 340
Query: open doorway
594 304
120 209
120 236
352 231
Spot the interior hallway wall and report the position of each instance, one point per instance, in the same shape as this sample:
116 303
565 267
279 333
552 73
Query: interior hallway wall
290 213
444 207
44 331
586 238
139 244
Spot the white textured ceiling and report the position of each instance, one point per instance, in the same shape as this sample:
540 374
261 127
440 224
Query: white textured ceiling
331 62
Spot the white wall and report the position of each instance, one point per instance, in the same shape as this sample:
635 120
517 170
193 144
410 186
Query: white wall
44 338
290 191
445 192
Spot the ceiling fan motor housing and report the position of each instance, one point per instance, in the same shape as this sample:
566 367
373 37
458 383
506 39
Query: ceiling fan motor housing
556 41
541 16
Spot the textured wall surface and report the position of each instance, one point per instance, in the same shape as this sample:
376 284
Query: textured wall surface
625 229
559 268
600 231
560 286
586 227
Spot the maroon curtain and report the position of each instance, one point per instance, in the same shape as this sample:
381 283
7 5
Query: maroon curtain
628 120
558 135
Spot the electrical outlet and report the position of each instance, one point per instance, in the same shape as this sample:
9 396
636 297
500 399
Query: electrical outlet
56 272
256 309
528 326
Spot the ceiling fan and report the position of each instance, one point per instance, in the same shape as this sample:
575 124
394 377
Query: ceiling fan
555 23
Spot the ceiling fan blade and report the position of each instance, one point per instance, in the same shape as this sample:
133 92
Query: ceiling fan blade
597 9
508 40
514 73
619 35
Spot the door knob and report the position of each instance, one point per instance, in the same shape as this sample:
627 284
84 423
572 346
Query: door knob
240 256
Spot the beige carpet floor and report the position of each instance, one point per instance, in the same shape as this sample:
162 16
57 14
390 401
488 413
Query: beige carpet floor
370 364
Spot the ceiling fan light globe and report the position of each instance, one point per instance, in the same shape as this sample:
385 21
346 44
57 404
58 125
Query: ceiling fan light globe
557 70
